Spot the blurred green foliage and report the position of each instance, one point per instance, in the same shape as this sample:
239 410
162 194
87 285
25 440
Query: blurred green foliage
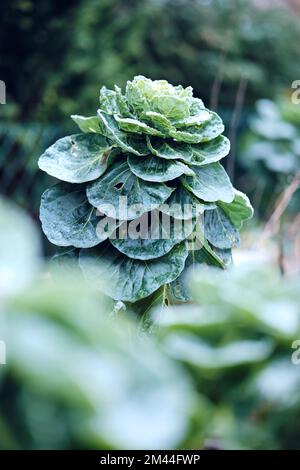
66 50
77 376
269 152
236 341
81 374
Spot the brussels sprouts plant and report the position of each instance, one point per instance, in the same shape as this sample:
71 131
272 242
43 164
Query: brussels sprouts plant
142 189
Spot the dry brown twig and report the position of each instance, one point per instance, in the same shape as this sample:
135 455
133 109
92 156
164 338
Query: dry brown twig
272 226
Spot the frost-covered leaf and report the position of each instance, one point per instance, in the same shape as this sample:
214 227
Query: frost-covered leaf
198 154
173 107
135 126
194 134
213 128
129 279
151 236
239 209
108 101
151 168
182 204
159 121
87 124
210 152
77 158
159 96
119 181
211 183
127 142
67 217
169 149
197 106
219 230
194 120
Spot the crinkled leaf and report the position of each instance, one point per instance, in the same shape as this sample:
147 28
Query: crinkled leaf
169 149
77 158
213 128
135 126
239 209
195 120
151 236
108 101
128 142
122 103
87 124
159 96
196 106
151 168
219 230
182 204
67 217
135 98
131 280
210 183
158 121
198 154
173 107
142 196
194 135
210 152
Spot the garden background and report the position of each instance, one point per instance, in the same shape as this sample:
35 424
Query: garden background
241 57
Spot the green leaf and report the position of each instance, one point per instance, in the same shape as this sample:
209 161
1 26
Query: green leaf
224 254
194 135
158 121
135 126
210 152
169 149
173 107
195 120
151 168
68 219
205 254
239 209
213 128
151 236
219 230
159 96
131 280
182 204
142 196
108 101
122 103
77 158
211 183
196 106
127 142
135 98
198 154
87 124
